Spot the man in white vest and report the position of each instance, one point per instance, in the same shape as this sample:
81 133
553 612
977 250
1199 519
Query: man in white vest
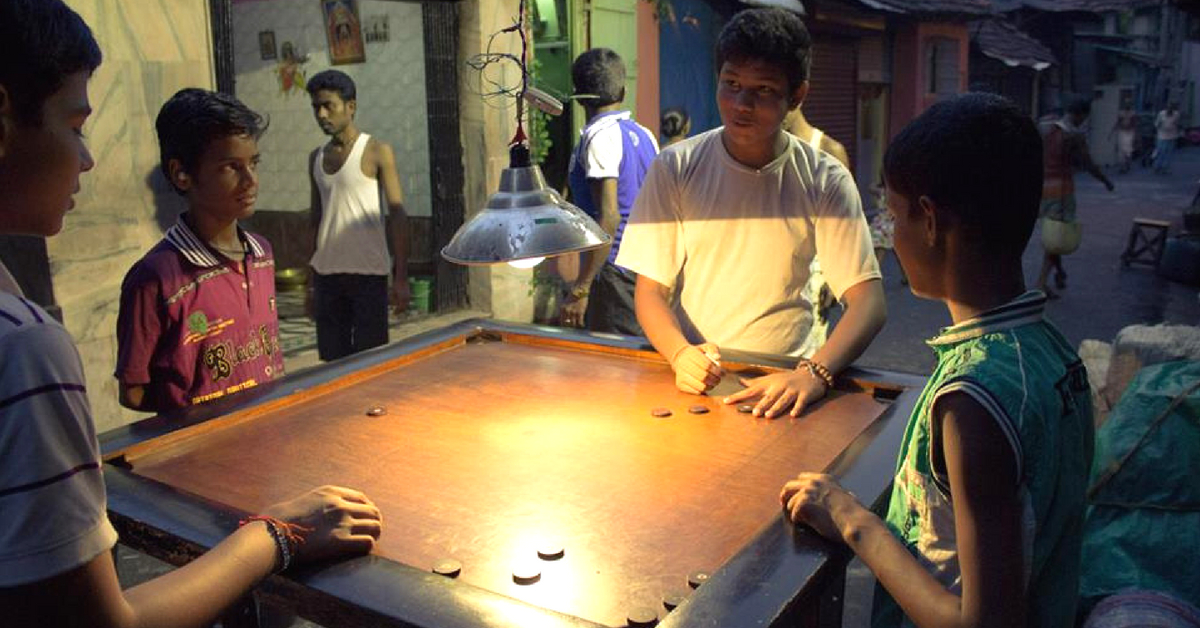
348 294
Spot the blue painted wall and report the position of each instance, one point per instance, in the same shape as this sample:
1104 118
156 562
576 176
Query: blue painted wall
686 75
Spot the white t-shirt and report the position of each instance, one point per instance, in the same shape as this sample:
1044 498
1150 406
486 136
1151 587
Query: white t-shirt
51 489
1167 125
736 243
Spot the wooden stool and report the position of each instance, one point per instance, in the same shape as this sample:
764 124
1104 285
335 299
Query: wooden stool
1146 241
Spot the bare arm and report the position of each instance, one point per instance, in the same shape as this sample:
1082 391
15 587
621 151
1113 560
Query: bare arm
836 150
314 202
590 262
605 190
987 514
865 314
792 391
694 371
314 216
1083 157
132 396
343 522
393 193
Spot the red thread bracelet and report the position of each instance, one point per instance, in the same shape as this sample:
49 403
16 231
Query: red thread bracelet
286 535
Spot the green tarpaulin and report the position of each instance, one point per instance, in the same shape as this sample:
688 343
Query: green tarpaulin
1143 521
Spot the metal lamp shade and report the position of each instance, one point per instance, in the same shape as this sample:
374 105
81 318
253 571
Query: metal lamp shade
524 219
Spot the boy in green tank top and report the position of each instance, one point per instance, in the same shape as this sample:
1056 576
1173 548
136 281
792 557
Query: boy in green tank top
983 526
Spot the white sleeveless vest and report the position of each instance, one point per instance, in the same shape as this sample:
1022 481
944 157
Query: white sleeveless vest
352 236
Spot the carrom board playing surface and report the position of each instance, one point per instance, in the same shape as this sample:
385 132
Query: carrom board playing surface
493 447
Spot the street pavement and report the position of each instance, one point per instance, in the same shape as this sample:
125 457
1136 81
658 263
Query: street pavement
1101 297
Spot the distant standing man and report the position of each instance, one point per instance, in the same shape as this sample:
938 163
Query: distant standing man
1125 129
1167 126
348 296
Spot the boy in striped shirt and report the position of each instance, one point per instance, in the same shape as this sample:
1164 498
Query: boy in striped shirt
56 568
984 523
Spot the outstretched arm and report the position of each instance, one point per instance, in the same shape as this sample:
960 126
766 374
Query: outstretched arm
792 391
987 520
342 521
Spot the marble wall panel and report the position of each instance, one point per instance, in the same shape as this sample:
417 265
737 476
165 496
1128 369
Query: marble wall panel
151 49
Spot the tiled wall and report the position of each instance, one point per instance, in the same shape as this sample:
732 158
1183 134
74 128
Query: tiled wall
391 94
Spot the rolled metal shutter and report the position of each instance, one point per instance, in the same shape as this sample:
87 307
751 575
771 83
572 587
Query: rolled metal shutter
832 102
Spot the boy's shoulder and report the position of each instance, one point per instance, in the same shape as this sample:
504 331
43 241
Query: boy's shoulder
692 150
179 257
28 332
260 245
18 312
161 261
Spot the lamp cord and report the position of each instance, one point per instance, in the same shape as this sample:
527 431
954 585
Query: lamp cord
480 62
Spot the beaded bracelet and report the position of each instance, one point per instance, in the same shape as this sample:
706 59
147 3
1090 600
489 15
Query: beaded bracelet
286 537
818 371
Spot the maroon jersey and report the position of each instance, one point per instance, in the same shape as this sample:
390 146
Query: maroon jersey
195 325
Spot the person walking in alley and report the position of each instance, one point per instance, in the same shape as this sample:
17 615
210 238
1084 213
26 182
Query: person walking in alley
1166 126
1064 148
1125 131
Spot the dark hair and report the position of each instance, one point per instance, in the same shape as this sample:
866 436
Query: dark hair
773 35
980 159
42 42
332 81
674 120
1079 106
600 74
194 118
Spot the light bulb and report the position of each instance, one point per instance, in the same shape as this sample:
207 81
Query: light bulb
528 262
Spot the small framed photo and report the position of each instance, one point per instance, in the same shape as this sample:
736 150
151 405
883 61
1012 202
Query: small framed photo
376 30
344 31
266 45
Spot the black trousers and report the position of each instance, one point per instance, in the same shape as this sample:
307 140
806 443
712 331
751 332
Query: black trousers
351 313
610 304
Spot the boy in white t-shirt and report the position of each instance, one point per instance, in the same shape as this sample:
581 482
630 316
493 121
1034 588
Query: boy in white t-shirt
56 568
727 223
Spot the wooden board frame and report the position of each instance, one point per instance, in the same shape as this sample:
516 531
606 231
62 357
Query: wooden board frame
784 576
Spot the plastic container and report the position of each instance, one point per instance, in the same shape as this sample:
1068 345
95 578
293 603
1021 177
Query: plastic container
419 289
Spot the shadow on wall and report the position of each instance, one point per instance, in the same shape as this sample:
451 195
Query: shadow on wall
168 203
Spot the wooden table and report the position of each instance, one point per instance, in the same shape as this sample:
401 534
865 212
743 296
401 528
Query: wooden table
499 440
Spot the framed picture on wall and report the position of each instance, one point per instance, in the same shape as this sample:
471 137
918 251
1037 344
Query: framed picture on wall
343 28
266 45
376 29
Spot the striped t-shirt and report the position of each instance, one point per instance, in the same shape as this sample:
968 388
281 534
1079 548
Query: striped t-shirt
1020 369
52 502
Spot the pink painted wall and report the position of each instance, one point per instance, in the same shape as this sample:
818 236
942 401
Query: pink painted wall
647 113
910 73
